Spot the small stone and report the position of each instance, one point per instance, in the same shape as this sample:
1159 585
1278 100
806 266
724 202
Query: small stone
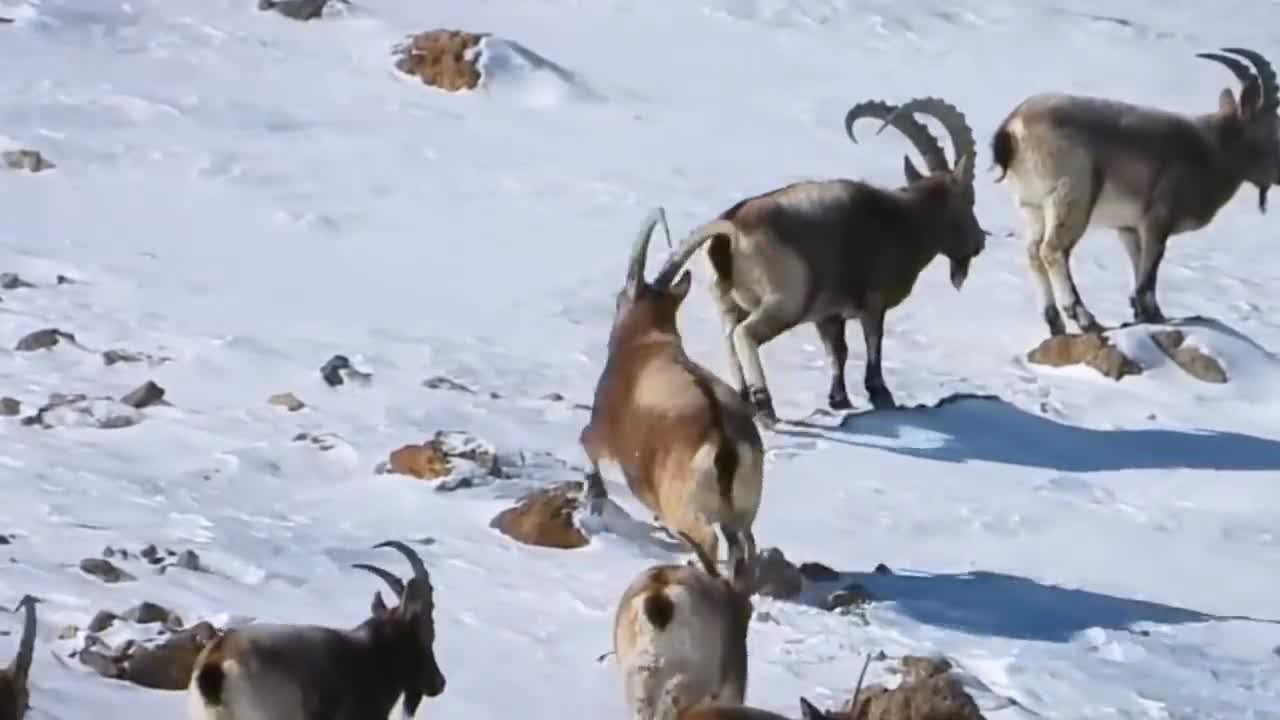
102 620
150 552
817 572
146 612
544 518
105 570
68 632
5 539
168 665
1089 349
12 281
24 159
554 397
188 560
331 371
297 9
882 569
43 340
111 357
64 280
1191 359
145 395
425 462
286 400
10 407
101 663
440 382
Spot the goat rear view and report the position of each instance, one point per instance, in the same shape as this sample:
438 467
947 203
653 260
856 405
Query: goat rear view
683 440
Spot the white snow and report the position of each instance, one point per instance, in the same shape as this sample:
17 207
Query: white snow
249 195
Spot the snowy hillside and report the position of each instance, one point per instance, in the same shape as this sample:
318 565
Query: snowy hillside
241 196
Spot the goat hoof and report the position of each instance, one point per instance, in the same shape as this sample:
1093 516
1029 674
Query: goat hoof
882 399
839 402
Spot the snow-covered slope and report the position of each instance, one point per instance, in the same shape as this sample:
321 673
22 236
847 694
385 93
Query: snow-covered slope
249 195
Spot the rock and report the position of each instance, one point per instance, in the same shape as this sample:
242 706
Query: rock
101 663
188 560
554 397
10 407
462 458
145 613
43 340
425 461
286 400
168 666
6 539
24 159
817 572
102 620
68 632
1088 349
882 569
12 281
321 441
105 570
5 20
151 553
440 382
545 518
338 369
120 355
1191 359
64 280
445 59
853 596
775 576
928 691
298 9
145 395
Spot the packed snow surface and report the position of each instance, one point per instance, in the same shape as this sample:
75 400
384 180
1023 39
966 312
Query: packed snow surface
247 196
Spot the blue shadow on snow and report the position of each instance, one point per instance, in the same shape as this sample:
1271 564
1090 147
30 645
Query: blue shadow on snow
984 427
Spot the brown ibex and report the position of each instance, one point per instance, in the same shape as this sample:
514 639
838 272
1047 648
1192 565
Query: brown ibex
313 672
681 437
827 251
1076 162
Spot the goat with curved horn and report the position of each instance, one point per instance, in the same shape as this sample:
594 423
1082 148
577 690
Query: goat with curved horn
675 432
305 671
915 132
1076 162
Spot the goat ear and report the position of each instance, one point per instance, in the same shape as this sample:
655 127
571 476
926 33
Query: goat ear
680 288
962 166
1227 102
910 170
377 607
808 711
1250 99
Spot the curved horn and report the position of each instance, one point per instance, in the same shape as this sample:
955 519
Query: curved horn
21 665
962 140
1237 68
708 562
1266 76
918 134
395 583
640 247
419 569
688 247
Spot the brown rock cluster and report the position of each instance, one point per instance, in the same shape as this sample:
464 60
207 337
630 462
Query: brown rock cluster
928 691
1089 349
445 59
545 517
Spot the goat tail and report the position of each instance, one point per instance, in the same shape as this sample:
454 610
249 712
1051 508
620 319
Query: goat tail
1003 149
210 680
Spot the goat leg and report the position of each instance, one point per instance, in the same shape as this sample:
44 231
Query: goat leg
1151 252
831 331
873 335
595 494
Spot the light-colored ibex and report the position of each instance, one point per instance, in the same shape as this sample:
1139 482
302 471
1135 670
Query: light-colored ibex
313 672
832 250
1077 162
681 437
682 627
15 690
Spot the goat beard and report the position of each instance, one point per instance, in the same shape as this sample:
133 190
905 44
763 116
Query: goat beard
1262 198
959 271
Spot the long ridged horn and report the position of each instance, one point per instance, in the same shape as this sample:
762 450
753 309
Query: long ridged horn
1237 68
415 562
640 247
962 140
1266 76
688 247
395 583
919 136
21 665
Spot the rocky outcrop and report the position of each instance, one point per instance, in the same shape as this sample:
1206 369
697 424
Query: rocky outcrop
446 59
24 159
545 518
928 691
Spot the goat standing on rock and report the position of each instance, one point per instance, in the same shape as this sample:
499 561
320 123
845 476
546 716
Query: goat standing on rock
682 438
312 672
1077 162
832 250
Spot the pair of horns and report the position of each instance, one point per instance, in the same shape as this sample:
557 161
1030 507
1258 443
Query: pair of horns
902 119
398 586
1265 77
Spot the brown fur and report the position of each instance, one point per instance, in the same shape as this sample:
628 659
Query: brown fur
1074 162
669 423
15 690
